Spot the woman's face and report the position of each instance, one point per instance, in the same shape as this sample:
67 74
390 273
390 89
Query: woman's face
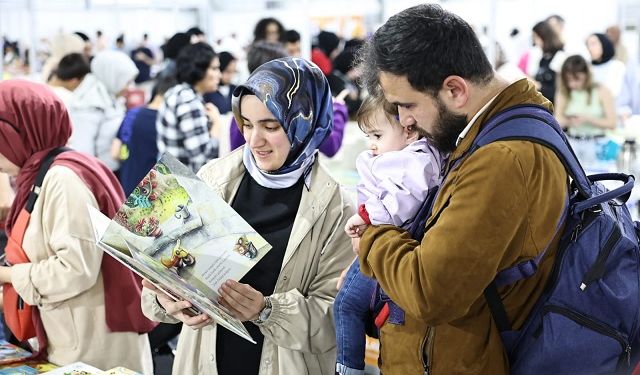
229 72
211 78
8 167
595 47
272 33
576 81
264 136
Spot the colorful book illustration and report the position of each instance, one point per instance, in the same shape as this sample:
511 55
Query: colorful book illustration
11 353
178 233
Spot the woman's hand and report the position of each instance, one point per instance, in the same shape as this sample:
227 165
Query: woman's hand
177 309
214 116
242 301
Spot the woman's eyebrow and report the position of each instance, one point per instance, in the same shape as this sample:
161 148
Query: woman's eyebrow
261 121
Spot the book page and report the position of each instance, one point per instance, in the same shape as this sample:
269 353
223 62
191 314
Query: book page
180 234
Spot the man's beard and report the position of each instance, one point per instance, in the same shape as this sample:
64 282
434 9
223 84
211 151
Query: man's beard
447 128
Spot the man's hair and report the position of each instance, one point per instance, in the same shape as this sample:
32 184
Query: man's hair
291 36
368 109
426 44
262 52
195 31
193 61
73 65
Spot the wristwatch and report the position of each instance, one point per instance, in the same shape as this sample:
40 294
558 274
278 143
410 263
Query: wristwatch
263 315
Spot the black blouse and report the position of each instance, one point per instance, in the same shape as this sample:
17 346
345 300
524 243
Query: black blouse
271 213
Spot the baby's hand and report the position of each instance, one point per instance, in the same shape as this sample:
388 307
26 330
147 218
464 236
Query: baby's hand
355 226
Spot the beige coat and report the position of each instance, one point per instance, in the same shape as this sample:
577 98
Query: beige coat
65 282
299 333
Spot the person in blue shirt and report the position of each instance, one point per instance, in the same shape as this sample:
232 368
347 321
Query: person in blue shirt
136 145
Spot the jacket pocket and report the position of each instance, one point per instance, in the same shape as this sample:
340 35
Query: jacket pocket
60 326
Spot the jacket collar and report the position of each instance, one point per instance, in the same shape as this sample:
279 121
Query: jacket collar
313 203
520 92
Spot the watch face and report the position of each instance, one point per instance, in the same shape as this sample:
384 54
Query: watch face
264 314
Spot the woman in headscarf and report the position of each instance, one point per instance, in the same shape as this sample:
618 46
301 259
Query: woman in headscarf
606 70
94 109
275 182
87 302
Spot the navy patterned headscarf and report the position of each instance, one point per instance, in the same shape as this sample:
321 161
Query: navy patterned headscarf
297 93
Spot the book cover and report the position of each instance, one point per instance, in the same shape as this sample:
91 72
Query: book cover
178 233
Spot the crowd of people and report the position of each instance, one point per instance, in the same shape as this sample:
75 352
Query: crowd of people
421 88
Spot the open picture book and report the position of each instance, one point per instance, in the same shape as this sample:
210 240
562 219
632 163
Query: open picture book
178 233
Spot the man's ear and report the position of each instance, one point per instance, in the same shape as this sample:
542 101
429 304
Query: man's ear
454 92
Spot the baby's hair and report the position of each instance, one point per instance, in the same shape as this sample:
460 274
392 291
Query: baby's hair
370 105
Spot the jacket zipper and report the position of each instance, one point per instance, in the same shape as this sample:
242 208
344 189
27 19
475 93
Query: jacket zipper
426 350
601 328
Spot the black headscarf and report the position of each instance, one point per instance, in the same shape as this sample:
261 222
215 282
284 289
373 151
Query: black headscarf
608 50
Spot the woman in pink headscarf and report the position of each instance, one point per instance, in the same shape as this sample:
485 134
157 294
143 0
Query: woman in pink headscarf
87 305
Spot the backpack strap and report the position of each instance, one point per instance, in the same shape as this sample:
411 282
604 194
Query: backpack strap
44 167
527 123
534 124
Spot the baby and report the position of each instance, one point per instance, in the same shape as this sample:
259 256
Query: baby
395 177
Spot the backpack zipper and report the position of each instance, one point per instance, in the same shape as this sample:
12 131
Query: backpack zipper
596 271
594 325
575 233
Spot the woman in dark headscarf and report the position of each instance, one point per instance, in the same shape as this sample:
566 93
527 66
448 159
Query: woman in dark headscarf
606 70
275 182
87 303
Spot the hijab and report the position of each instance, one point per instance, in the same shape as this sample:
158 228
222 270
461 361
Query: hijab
608 50
34 121
114 69
297 93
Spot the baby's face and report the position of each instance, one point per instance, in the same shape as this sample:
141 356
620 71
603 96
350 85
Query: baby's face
385 137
